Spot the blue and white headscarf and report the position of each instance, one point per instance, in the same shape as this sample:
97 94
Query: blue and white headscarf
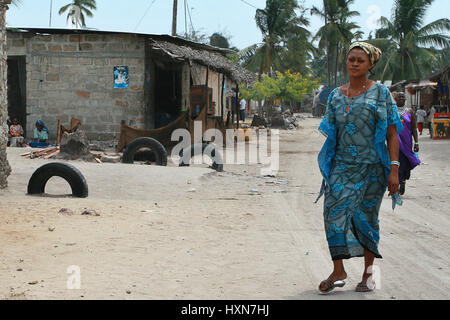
40 122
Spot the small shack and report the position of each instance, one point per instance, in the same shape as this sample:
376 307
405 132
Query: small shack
442 95
110 79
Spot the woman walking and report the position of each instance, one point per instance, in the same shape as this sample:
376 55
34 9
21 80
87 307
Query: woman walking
356 165
407 158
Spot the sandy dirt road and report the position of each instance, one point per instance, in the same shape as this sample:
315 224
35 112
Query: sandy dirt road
193 233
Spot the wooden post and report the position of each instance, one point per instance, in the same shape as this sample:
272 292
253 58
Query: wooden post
58 133
238 107
174 18
206 100
221 96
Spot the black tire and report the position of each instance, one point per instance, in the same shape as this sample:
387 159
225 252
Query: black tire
40 177
205 148
156 147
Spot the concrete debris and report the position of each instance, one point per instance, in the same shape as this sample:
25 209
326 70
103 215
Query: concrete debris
65 211
110 158
90 213
258 121
285 120
75 146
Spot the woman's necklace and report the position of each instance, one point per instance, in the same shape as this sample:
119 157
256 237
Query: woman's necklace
353 98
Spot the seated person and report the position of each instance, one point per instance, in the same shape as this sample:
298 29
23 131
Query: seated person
40 135
16 132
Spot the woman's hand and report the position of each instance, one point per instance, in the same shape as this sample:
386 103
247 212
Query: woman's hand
416 148
393 180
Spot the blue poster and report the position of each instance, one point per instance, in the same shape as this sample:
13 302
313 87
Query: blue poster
121 77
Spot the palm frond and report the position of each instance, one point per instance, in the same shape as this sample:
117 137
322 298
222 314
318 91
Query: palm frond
436 26
64 8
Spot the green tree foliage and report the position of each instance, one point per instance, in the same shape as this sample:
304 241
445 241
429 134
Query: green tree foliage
288 87
284 32
335 36
196 36
411 49
85 9
219 40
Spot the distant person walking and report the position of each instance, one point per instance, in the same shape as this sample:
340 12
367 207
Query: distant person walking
420 115
407 158
242 105
357 166
430 120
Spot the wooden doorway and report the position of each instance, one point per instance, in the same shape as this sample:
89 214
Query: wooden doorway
17 91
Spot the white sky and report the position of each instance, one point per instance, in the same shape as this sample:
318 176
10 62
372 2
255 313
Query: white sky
235 18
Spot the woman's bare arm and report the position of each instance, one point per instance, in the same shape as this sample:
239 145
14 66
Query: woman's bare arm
392 142
414 130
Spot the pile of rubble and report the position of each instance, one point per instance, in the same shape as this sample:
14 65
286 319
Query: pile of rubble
286 120
75 146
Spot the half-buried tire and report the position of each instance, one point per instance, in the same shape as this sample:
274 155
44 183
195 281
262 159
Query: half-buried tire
77 182
202 149
154 145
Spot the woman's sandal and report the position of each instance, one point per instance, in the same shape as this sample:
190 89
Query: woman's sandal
330 285
362 287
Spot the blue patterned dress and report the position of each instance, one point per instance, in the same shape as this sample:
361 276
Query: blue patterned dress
355 165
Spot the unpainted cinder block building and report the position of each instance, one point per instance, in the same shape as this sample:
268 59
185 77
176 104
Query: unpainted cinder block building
105 78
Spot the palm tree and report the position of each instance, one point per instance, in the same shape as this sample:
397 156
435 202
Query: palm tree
410 49
280 26
77 9
336 35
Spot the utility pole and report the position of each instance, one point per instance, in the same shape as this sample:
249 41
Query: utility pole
50 20
174 18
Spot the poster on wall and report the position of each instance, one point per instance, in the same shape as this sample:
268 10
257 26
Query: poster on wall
121 77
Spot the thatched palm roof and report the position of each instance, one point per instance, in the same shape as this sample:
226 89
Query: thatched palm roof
175 48
211 57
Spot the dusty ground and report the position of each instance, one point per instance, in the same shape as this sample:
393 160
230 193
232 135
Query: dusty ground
193 233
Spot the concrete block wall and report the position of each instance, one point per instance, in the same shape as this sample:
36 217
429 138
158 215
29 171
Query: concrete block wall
71 75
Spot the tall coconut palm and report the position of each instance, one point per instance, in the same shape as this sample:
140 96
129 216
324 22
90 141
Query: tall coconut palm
279 25
410 48
77 9
336 34
299 49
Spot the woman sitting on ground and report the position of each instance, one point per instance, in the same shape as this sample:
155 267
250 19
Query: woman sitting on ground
40 135
16 132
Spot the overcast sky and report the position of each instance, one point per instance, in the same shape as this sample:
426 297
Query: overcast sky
235 18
